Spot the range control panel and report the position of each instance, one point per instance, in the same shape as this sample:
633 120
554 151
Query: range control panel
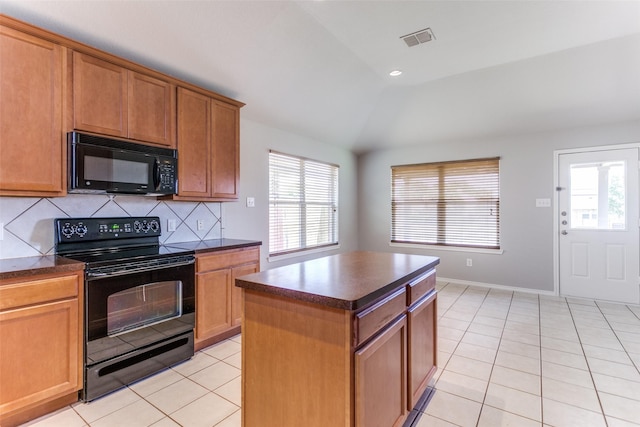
87 229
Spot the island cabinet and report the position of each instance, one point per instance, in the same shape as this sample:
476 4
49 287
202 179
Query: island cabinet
209 147
112 100
344 340
218 302
32 154
40 344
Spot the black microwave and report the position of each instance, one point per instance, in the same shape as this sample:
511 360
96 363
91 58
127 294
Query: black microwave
104 165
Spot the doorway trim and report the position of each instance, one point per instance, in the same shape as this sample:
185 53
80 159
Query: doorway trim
556 214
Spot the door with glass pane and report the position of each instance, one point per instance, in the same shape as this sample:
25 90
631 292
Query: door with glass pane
598 215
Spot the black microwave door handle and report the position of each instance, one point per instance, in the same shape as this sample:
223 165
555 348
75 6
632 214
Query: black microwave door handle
156 174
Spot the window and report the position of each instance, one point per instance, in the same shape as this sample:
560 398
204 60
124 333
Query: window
303 204
450 203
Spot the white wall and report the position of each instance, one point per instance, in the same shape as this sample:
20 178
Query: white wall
241 222
526 173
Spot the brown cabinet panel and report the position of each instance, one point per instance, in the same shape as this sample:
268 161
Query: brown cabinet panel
236 292
422 347
380 378
226 150
213 310
218 300
208 143
194 144
32 153
43 366
40 345
373 319
152 111
99 96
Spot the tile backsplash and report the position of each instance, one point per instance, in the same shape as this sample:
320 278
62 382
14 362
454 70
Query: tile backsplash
28 221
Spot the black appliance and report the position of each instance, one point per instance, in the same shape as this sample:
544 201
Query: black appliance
139 298
104 165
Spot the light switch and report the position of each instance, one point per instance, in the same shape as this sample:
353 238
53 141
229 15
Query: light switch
171 225
543 203
251 202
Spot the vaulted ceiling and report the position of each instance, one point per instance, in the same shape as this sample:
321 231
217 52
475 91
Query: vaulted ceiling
321 68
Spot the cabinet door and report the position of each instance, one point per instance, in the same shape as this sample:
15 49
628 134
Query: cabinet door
99 96
380 378
39 354
213 308
422 346
225 150
194 144
151 109
31 140
236 292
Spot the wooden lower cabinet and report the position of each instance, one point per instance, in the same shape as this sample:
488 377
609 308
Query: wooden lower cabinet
422 350
218 300
314 365
380 386
40 345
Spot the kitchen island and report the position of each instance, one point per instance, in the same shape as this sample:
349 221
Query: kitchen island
344 340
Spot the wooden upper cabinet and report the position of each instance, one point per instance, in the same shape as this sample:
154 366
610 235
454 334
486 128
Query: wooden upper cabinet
111 100
99 96
194 144
226 150
208 147
32 153
152 109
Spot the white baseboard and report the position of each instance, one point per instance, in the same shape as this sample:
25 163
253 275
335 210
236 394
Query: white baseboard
494 286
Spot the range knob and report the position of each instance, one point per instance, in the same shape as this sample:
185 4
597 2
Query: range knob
68 230
81 230
137 226
154 226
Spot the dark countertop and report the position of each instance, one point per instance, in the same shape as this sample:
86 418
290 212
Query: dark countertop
12 268
347 281
214 245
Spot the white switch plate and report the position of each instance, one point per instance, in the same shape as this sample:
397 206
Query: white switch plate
171 225
251 202
543 203
200 224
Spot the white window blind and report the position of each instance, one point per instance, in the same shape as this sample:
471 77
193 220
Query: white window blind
449 203
303 204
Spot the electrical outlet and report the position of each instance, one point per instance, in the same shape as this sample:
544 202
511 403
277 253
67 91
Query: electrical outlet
200 224
171 225
251 202
543 203
469 262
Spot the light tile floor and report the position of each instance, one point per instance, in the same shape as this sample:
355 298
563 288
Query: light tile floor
505 359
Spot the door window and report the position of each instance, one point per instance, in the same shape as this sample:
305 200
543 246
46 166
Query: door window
598 195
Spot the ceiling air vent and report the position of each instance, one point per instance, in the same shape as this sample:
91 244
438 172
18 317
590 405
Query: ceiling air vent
418 37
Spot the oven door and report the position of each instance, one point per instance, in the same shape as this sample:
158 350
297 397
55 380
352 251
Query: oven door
127 312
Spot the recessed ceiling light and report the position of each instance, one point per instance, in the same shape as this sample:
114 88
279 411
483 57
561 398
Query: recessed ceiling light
395 73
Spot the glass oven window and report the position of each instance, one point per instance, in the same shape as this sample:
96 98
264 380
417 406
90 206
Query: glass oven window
143 305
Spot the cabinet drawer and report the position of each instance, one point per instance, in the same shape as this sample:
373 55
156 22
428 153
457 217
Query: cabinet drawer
420 287
38 291
226 259
374 318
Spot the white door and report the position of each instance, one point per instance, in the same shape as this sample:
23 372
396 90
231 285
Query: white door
599 218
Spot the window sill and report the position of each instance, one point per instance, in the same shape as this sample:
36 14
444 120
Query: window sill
448 248
275 258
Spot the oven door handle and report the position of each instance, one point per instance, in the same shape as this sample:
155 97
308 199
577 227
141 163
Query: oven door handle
100 274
